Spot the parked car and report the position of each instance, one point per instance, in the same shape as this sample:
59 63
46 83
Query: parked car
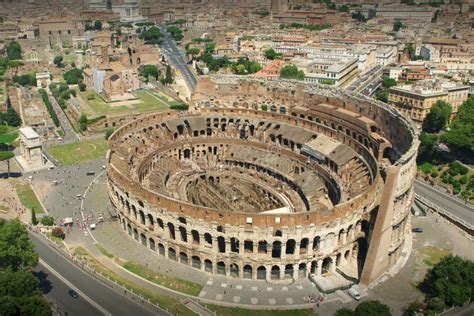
73 294
354 293
417 230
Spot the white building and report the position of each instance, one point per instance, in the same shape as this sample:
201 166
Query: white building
429 52
31 150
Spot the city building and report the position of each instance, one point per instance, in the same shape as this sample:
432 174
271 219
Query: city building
415 100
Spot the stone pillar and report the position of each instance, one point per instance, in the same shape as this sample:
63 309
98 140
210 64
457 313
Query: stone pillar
295 271
319 267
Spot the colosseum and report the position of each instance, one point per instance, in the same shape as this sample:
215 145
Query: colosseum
269 181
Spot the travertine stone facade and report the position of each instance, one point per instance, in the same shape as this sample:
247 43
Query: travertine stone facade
267 180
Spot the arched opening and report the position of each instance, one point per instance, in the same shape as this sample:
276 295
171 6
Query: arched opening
171 231
317 243
135 234
183 257
302 270
248 246
261 273
151 242
289 271
278 233
262 247
247 272
151 223
208 239
208 265
142 217
172 254
234 245
304 245
275 273
220 268
290 247
221 244
129 229
341 237
161 249
160 223
276 249
314 266
234 270
338 260
327 265
195 236
183 233
196 262
143 239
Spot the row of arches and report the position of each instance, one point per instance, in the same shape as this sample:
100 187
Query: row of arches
352 255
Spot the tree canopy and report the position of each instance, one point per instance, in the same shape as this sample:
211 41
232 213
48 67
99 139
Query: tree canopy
73 76
10 117
461 131
451 280
372 308
13 50
438 117
152 36
16 250
58 61
150 70
271 54
291 72
389 82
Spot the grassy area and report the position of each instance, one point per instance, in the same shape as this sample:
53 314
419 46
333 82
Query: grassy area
433 255
171 304
104 251
235 311
72 153
147 101
3 208
28 197
164 280
8 137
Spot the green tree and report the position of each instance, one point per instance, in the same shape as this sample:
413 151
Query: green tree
240 69
389 82
13 50
344 312
58 232
17 283
16 249
34 305
438 117
82 86
8 306
382 95
6 156
372 308
193 51
451 280
427 149
150 70
168 75
344 8
397 25
271 54
73 76
291 72
34 220
152 36
98 25
12 118
58 61
461 131
83 122
109 132
47 220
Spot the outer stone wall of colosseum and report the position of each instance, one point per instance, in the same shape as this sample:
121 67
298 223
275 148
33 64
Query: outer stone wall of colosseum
280 247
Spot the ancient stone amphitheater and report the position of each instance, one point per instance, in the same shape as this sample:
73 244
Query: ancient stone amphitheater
269 181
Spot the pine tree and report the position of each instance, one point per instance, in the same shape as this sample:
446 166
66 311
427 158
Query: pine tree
34 221
169 76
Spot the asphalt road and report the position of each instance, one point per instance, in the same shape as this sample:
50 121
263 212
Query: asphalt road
96 294
449 203
178 60
57 292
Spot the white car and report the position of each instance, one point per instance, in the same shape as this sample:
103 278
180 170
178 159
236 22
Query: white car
354 293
